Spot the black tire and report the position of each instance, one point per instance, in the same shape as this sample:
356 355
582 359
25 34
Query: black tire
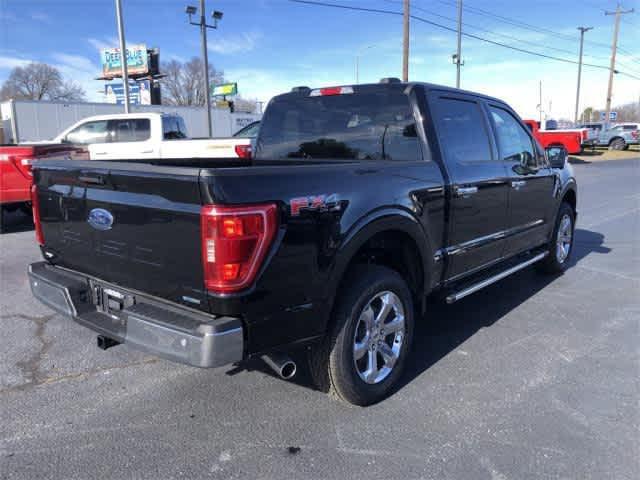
25 208
332 362
553 262
617 144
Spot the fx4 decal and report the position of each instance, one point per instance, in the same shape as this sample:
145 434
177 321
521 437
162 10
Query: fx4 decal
318 203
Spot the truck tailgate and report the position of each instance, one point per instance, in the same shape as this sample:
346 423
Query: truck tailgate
134 225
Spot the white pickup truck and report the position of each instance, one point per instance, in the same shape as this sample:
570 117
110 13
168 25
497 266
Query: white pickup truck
148 135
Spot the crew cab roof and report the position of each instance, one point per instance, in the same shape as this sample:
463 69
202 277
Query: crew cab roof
399 85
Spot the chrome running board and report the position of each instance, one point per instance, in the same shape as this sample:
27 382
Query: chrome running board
454 297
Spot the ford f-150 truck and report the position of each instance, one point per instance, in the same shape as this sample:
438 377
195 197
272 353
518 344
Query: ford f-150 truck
360 201
571 140
15 171
148 135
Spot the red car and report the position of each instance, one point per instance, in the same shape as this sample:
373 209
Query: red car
571 140
15 171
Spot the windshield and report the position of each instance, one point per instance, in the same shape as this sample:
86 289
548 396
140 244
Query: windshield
363 126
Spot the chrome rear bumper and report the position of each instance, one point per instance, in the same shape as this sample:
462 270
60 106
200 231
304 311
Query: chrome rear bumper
166 330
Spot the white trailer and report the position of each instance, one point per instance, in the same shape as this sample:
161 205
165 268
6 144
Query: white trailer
31 121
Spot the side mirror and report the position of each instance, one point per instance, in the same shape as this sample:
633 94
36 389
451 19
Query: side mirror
557 156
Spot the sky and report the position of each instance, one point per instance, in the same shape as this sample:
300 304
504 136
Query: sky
269 46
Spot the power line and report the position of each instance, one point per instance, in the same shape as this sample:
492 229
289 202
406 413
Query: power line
450 29
510 37
526 26
503 35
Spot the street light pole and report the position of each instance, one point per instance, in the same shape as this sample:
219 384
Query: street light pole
190 10
205 57
582 32
123 55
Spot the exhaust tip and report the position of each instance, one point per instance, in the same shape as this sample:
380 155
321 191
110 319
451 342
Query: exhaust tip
288 370
281 364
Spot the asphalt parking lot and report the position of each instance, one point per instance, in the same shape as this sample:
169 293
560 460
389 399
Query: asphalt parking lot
534 377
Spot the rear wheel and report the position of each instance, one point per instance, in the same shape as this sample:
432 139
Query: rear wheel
364 353
617 144
561 245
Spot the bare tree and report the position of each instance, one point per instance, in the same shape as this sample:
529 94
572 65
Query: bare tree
245 105
39 81
184 82
629 112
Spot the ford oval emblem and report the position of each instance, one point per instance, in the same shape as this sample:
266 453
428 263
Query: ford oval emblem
100 219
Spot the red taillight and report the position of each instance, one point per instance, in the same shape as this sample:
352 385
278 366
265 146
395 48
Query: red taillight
321 92
22 164
243 151
35 208
235 241
635 134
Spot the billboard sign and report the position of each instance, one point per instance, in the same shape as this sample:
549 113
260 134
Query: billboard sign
139 93
224 89
137 63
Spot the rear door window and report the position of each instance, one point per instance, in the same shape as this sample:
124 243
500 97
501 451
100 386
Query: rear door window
173 128
131 130
373 125
462 131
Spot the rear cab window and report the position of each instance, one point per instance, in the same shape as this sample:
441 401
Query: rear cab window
372 123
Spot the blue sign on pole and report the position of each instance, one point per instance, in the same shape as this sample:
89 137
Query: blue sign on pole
613 116
139 93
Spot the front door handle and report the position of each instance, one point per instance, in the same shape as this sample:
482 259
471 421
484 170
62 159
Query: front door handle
466 191
518 184
147 151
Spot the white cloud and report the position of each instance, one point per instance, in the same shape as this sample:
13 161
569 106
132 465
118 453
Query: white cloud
106 42
13 62
234 44
81 70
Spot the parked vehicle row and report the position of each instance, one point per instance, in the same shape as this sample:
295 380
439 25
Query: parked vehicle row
360 201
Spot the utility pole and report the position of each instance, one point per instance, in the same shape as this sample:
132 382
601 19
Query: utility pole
614 48
123 55
459 51
582 32
405 42
540 104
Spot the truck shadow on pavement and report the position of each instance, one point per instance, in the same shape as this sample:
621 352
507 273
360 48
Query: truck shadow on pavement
446 327
16 222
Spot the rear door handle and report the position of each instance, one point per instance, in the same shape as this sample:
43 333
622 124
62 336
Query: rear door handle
100 153
518 184
466 191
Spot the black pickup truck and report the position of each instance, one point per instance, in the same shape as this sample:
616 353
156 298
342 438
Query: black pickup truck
360 201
